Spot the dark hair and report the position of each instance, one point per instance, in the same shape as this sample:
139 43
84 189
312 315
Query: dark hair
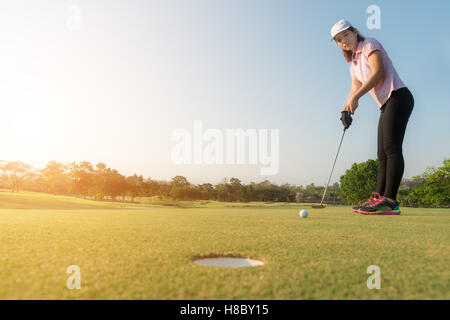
348 54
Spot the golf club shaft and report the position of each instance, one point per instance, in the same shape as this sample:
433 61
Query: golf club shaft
331 173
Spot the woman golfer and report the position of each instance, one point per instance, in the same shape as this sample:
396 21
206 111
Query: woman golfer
372 71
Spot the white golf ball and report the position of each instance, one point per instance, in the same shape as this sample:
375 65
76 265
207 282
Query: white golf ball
303 213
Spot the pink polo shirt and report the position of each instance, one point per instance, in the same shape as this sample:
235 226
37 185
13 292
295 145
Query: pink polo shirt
360 69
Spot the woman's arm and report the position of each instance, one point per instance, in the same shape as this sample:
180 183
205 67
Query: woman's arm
376 65
356 85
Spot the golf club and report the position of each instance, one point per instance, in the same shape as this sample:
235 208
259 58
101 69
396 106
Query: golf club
346 120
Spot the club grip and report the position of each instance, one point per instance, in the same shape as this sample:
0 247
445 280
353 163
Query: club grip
346 119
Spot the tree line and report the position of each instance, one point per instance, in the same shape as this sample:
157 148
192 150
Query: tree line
102 183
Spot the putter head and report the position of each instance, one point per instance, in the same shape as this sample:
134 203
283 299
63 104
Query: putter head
320 206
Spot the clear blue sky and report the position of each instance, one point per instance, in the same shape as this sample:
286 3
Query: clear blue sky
114 90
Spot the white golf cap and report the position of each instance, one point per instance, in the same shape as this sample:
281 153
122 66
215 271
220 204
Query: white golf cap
341 25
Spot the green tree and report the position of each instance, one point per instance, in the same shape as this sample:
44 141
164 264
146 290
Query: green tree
133 186
435 189
236 191
56 178
116 184
17 172
83 178
164 189
358 182
178 193
224 191
207 191
100 181
179 181
313 192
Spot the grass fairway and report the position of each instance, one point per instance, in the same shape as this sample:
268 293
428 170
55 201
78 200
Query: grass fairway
145 251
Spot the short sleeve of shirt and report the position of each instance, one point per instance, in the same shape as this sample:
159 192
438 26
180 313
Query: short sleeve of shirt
370 46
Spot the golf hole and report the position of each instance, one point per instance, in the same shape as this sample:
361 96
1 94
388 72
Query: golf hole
228 262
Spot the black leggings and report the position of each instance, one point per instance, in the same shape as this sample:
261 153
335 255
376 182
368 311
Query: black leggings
394 117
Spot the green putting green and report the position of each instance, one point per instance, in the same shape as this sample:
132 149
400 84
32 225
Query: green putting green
147 251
